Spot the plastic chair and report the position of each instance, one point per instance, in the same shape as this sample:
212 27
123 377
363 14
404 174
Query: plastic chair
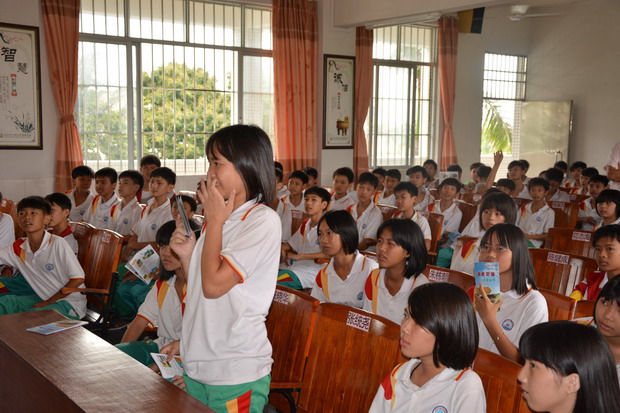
560 306
565 213
584 308
469 212
82 232
559 271
460 279
569 240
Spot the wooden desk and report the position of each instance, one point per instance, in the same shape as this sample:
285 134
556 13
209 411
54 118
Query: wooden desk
76 371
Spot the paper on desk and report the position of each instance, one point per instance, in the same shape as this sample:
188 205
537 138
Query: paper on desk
55 327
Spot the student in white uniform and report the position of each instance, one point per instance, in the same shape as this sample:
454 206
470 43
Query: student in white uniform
148 164
367 215
440 337
608 207
402 257
588 217
607 316
419 177
294 201
537 217
80 195
568 368
521 305
431 168
516 172
127 213
380 173
59 224
7 229
446 206
231 274
386 196
342 197
554 177
99 214
342 280
406 198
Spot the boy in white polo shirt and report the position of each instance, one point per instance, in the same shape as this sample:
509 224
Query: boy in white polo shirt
80 195
554 177
342 197
148 164
536 216
588 216
406 198
59 224
128 211
292 202
98 214
386 197
365 212
46 265
419 177
446 206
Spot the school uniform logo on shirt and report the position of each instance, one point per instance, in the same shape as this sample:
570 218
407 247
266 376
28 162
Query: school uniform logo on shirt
49 266
82 212
106 218
153 227
360 296
364 226
126 221
539 219
508 324
440 409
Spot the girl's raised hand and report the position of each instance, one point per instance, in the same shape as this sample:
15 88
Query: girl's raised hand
485 308
180 244
216 209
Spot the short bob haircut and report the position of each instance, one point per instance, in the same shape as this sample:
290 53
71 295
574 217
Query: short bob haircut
506 183
162 238
610 195
407 186
578 165
601 179
320 192
554 175
249 149
609 292
166 174
393 173
561 165
607 231
510 236
431 162
416 169
150 160
501 202
34 202
368 178
572 348
135 176
517 164
525 163
408 235
59 199
109 173
311 172
379 171
82 170
445 310
589 172
299 174
343 224
346 172
538 182
450 182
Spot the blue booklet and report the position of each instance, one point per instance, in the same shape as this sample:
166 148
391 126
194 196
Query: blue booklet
487 277
57 326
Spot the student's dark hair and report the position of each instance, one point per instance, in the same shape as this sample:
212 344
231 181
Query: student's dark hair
475 165
525 163
554 175
484 171
166 174
456 168
418 168
109 173
602 179
610 195
279 174
506 183
368 178
450 182
606 231
312 172
501 202
589 172
320 192
59 199
135 176
278 165
150 160
406 186
346 172
380 171
445 310
511 237
610 291
561 165
343 224
408 235
492 190
572 348
82 170
394 173
186 199
430 162
162 238
249 149
34 202
299 174
576 165
538 182
516 163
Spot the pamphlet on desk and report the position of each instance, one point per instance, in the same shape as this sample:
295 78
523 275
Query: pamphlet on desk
144 264
168 368
57 326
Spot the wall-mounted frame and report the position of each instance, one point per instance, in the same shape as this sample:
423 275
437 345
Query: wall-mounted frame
20 87
338 101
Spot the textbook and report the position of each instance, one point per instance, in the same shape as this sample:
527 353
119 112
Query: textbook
487 275
144 264
55 327
168 368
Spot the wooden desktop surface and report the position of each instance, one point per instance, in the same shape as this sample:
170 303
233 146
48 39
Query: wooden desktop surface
75 371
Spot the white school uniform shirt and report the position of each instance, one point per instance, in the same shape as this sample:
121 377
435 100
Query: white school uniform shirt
587 210
450 391
474 229
560 196
427 199
151 220
378 300
125 217
285 206
48 269
515 316
535 223
145 197
342 203
420 220
525 193
67 235
78 211
600 224
380 198
330 288
613 161
464 257
7 229
99 213
163 310
368 223
305 241
225 339
283 192
451 216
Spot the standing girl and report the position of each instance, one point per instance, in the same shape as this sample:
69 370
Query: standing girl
439 334
231 274
342 279
402 256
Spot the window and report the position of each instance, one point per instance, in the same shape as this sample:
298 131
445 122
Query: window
400 124
160 76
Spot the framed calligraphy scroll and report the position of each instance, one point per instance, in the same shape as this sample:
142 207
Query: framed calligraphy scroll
338 101
20 87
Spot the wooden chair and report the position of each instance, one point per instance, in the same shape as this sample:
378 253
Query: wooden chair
387 211
104 253
82 232
6 206
351 352
290 324
559 271
469 212
577 198
521 201
434 193
584 308
471 198
297 217
438 274
435 222
560 306
501 386
565 213
569 240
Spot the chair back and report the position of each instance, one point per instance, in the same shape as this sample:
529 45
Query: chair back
435 222
560 306
521 201
438 274
584 308
578 198
387 211
104 253
434 193
559 271
569 240
6 206
82 232
351 352
565 213
471 198
297 217
499 379
469 212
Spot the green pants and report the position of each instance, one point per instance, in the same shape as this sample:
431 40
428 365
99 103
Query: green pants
129 295
242 398
16 285
288 278
140 350
11 304
444 257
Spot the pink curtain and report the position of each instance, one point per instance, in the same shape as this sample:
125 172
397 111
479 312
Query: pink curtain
448 44
363 94
295 73
61 22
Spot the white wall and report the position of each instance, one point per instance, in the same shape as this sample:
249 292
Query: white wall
29 172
